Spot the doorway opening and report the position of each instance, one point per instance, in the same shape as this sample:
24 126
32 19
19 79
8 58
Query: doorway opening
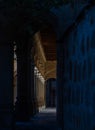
43 88
50 93
45 76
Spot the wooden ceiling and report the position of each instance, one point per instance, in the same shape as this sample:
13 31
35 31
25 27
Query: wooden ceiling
45 52
48 41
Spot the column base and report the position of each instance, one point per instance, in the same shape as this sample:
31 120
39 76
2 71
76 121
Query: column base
22 111
25 110
6 119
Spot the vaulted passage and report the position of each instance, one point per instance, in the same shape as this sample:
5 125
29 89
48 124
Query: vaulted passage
35 95
47 68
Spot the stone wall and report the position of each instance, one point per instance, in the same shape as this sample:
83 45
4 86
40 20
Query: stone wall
76 75
39 89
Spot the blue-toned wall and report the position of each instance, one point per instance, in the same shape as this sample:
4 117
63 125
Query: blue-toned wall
76 74
6 87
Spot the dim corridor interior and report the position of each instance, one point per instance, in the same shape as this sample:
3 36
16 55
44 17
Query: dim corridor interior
47 66
44 120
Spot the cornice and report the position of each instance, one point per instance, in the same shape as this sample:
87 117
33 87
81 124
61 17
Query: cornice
39 45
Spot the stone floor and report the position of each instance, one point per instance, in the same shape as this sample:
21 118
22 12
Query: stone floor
44 120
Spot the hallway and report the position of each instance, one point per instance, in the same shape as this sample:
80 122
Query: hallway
47 54
44 120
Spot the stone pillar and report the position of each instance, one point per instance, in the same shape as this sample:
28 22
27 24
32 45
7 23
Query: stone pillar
21 108
30 78
48 93
35 90
59 84
25 82
6 86
31 87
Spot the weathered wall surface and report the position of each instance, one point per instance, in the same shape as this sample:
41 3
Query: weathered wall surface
39 89
76 75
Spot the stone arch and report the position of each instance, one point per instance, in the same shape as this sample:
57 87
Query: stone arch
50 92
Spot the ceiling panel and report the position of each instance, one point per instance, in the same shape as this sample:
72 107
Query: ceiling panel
48 41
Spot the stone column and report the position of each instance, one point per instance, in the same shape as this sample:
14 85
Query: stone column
30 78
21 107
6 86
31 86
34 102
60 84
25 81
